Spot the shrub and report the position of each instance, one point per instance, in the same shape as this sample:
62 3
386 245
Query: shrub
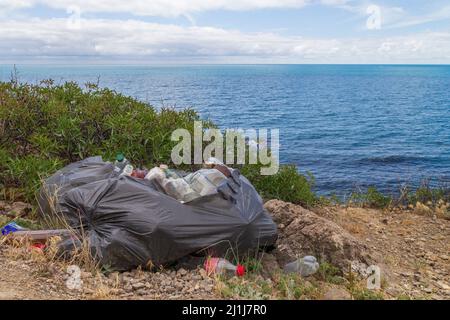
25 173
287 184
329 273
372 198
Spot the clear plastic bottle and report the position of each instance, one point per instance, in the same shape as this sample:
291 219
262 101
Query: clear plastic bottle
223 266
127 170
121 162
205 181
305 266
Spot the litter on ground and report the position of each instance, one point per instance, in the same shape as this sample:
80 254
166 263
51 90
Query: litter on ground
132 217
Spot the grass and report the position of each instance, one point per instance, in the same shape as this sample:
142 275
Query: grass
424 200
329 273
372 198
253 286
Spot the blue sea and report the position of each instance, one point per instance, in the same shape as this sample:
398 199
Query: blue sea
351 126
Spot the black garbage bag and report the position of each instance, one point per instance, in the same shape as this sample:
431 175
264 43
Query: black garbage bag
130 223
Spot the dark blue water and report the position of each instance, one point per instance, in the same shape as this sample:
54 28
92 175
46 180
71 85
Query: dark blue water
350 125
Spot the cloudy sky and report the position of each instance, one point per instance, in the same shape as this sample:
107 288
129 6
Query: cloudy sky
224 31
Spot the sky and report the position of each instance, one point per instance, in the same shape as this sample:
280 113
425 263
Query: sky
219 31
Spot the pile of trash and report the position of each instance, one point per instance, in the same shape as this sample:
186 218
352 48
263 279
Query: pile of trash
134 217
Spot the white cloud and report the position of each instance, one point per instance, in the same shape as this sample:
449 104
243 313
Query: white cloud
163 8
408 21
8 5
36 39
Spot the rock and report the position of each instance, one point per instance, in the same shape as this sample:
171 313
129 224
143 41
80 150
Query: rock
182 272
406 274
306 233
203 273
128 288
336 293
138 285
113 276
443 285
141 292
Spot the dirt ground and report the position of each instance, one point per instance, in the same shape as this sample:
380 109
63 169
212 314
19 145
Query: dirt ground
412 251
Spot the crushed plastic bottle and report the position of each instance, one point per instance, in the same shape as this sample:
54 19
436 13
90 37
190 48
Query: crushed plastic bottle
221 266
305 266
194 185
205 181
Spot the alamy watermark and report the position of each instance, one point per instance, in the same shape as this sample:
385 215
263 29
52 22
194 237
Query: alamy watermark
74 19
374 278
373 22
236 146
74 281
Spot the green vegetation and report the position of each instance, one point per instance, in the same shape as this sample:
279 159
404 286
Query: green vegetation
372 198
282 286
44 127
329 273
434 197
366 294
287 185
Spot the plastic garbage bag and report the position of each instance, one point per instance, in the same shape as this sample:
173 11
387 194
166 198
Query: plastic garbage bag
129 222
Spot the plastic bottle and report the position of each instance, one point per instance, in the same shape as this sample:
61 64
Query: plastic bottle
11 227
305 266
168 172
221 266
127 170
205 181
140 174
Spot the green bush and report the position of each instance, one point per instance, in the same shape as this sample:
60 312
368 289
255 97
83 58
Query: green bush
287 184
372 198
44 127
26 173
427 194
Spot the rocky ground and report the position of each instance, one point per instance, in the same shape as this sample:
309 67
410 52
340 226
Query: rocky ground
411 250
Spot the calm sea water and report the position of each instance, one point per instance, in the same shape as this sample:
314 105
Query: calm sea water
350 125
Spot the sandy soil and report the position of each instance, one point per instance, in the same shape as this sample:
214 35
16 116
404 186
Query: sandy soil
412 251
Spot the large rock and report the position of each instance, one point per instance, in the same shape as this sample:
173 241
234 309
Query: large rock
302 232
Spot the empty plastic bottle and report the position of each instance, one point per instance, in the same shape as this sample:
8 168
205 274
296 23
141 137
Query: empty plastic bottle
11 227
205 181
127 170
221 266
305 266
121 162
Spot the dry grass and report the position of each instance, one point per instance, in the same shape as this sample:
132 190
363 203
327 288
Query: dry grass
81 254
